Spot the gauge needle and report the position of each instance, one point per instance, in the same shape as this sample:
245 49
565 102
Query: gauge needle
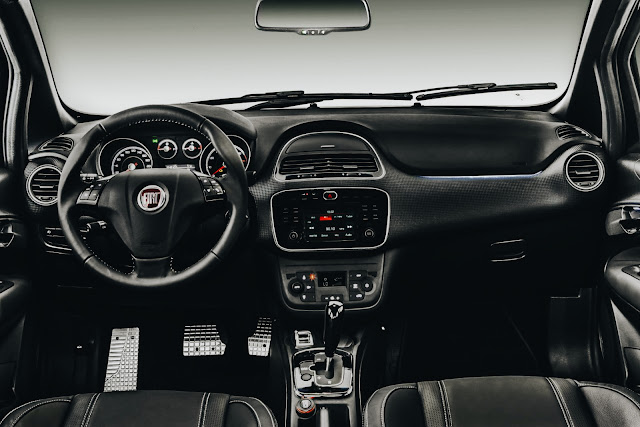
219 170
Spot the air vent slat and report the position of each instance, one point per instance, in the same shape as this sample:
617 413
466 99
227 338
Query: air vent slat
585 171
328 163
59 143
42 185
566 132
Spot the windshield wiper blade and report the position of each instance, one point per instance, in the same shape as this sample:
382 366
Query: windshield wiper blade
297 97
445 92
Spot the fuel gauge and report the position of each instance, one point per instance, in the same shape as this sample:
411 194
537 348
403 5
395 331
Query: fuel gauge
167 149
192 148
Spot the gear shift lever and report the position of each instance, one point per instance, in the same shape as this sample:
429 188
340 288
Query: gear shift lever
332 328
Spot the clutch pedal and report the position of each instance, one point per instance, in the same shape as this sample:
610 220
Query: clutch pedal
260 342
202 340
122 367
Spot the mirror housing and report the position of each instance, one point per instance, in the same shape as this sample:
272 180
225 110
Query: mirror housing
312 17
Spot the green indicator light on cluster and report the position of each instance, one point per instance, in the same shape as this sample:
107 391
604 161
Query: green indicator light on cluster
154 140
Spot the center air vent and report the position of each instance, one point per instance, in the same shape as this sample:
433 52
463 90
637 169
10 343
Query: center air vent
60 144
585 171
566 132
42 185
327 155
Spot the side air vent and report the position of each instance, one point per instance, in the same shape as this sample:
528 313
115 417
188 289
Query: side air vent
328 155
60 143
42 185
566 132
585 171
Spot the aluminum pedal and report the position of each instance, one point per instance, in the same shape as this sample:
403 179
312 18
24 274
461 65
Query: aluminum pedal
122 367
260 342
202 340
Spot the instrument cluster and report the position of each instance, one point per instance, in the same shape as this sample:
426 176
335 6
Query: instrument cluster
169 151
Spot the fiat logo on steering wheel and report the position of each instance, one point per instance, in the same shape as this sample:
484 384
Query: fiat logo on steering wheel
152 198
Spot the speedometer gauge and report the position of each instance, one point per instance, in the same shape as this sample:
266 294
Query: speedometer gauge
131 158
216 167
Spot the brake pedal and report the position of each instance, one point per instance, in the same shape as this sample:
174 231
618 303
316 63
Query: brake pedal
202 340
260 342
122 367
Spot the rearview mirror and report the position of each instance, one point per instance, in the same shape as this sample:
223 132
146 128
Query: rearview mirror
312 17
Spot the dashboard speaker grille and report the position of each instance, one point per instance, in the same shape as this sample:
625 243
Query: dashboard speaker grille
62 144
324 163
566 132
585 171
42 185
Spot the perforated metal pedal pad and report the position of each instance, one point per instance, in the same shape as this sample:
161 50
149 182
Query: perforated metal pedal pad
122 367
260 341
202 340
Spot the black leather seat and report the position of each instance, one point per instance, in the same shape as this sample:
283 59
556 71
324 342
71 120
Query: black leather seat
502 402
143 409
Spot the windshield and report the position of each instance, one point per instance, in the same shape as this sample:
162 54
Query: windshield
106 56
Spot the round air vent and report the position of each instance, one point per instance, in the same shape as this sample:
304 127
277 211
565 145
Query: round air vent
585 171
42 185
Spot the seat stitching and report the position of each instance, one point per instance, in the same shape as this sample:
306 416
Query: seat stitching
384 402
615 390
204 397
564 402
365 422
448 419
562 408
30 409
82 424
255 414
273 420
92 408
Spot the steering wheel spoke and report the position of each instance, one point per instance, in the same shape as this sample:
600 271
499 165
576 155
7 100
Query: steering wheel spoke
152 268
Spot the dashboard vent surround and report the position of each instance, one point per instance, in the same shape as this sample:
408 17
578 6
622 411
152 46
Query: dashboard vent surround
42 185
585 171
60 144
567 132
362 164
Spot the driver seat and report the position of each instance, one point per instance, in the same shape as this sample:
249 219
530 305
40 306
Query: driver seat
143 409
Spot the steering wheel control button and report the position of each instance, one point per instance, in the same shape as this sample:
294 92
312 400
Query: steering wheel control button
329 195
152 198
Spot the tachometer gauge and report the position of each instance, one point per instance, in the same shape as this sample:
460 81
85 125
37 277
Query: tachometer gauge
167 149
131 158
216 167
192 148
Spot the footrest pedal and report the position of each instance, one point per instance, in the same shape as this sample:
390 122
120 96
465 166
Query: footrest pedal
122 366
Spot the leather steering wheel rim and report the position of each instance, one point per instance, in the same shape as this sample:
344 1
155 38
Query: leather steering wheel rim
234 184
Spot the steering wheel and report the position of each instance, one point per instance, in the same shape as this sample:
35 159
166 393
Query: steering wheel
151 209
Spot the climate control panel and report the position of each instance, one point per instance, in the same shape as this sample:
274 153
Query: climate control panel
357 284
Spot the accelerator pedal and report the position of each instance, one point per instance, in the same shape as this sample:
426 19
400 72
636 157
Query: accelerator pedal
260 341
122 367
202 340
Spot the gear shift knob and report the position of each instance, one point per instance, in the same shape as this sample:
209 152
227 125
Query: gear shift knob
332 327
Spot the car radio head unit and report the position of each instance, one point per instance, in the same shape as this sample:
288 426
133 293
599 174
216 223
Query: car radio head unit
335 218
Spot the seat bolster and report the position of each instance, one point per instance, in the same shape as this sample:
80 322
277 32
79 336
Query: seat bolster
394 406
50 412
248 412
611 405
